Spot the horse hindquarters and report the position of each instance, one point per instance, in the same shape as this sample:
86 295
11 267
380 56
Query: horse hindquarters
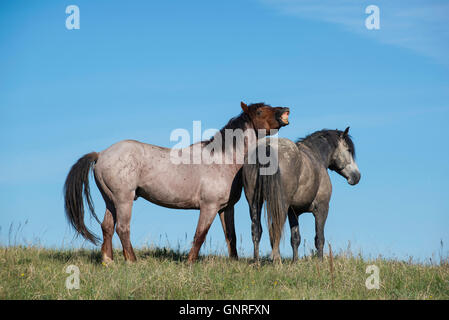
116 174
250 176
261 188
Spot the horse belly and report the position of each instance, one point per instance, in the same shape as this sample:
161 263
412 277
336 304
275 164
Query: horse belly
170 188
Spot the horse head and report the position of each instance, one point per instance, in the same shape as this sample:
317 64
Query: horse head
343 159
265 117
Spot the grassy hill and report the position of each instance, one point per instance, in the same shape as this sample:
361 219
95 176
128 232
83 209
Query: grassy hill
39 273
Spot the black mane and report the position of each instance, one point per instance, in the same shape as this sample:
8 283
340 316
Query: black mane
238 122
315 140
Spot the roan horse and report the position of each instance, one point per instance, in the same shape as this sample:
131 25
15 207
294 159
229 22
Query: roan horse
130 169
301 184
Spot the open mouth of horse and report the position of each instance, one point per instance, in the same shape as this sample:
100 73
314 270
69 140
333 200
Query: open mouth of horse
284 117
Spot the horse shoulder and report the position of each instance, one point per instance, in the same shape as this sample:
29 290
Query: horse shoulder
325 190
308 180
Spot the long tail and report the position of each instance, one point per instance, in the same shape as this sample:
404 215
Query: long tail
77 183
269 189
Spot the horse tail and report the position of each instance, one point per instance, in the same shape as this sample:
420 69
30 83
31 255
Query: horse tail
77 183
269 189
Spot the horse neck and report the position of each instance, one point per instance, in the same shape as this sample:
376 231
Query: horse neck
238 152
252 137
322 149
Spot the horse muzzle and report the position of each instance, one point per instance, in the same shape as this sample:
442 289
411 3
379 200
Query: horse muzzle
354 178
282 116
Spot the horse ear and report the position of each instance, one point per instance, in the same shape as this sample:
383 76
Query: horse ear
346 132
244 107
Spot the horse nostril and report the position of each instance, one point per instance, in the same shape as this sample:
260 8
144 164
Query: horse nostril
355 178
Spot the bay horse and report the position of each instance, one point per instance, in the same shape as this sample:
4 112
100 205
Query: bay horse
301 184
130 169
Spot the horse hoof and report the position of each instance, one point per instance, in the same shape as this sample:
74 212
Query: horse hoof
106 260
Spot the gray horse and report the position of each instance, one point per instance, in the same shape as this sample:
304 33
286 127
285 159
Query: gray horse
301 184
131 169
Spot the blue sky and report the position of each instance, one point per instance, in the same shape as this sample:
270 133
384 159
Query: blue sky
138 70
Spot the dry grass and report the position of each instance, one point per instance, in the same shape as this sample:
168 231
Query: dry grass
38 273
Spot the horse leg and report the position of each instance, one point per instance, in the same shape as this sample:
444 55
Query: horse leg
227 222
107 227
108 224
256 229
320 219
123 210
207 215
294 231
275 252
275 240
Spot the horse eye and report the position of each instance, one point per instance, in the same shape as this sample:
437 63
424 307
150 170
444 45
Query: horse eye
258 112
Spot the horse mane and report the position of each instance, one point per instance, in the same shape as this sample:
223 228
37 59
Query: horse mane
238 122
314 140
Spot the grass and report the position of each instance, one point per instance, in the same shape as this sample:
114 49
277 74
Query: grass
160 273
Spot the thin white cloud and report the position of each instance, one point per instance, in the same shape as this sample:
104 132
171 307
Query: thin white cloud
418 25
